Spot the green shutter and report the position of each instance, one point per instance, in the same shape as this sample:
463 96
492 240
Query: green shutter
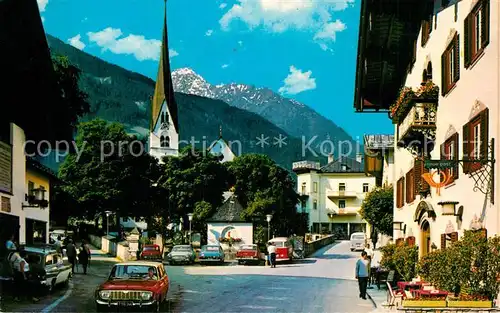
467 43
465 145
455 153
484 134
444 86
485 23
457 58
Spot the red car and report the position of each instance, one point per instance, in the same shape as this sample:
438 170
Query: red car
133 286
151 252
248 254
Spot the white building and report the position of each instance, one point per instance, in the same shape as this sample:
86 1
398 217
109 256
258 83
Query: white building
332 194
164 127
222 149
455 46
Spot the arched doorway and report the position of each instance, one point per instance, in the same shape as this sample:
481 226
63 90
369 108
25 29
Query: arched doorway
425 238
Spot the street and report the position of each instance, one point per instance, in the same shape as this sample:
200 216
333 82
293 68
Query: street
322 283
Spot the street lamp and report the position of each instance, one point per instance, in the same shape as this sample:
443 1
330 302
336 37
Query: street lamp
190 217
108 213
268 218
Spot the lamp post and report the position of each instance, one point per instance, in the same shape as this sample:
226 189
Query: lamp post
108 213
190 217
268 218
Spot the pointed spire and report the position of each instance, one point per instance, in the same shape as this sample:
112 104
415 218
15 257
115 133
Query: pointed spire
164 90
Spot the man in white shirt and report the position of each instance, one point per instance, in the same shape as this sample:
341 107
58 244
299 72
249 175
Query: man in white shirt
272 254
369 254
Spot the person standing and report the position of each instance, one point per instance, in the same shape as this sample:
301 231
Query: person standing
21 276
84 256
71 254
10 245
369 254
272 254
58 244
362 274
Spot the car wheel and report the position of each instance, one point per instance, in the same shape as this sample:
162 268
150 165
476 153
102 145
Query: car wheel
352 250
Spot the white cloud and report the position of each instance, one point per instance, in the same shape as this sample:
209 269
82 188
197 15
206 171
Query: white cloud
76 42
209 32
225 66
222 5
42 4
314 16
172 53
298 81
137 45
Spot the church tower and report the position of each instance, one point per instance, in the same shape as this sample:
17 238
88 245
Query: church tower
164 127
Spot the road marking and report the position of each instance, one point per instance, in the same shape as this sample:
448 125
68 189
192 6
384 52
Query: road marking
261 307
54 304
273 298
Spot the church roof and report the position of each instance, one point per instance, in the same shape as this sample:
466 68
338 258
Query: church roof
164 90
230 211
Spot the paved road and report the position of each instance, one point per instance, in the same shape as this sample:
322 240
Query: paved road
323 283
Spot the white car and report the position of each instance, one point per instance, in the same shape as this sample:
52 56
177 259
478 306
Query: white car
358 241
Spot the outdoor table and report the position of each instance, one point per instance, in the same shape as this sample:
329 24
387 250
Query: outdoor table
430 293
405 285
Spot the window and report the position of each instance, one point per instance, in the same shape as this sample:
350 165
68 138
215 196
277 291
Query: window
315 187
365 187
410 186
315 205
165 141
449 151
475 141
450 65
49 260
426 30
476 32
303 204
341 204
341 186
162 118
303 191
400 200
456 11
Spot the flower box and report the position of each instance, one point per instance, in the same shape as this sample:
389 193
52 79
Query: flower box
424 303
470 304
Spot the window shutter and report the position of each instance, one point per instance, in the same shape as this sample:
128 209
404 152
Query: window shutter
407 189
467 44
465 145
454 236
484 134
444 87
443 241
485 23
398 194
417 176
455 153
457 58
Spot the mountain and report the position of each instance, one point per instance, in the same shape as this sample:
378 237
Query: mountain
295 118
116 94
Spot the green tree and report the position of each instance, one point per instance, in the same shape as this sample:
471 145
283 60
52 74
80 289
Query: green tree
263 188
377 209
109 171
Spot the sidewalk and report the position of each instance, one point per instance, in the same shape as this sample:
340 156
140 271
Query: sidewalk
378 297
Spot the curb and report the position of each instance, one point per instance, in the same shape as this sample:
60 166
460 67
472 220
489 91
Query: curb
371 299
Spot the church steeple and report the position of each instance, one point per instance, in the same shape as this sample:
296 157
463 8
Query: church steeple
164 90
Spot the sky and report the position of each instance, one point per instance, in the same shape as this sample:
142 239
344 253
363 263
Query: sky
302 49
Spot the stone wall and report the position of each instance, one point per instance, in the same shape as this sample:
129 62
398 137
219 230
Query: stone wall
313 246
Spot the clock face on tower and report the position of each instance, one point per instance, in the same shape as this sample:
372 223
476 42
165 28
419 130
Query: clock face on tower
164 126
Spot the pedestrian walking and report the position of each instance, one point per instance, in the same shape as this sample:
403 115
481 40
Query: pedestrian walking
362 274
369 254
71 254
84 256
22 279
272 254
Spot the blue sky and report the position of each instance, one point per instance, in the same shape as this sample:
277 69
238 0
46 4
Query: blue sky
304 49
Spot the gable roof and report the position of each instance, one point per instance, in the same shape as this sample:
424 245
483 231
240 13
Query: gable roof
351 166
230 211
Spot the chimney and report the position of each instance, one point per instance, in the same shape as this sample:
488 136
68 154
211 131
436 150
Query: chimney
359 157
330 158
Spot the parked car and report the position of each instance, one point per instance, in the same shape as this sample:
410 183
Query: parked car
358 241
48 266
248 254
284 248
181 254
210 254
151 252
137 286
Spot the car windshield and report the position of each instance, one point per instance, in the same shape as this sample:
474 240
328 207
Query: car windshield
249 247
181 249
134 272
279 244
210 248
33 258
358 237
151 248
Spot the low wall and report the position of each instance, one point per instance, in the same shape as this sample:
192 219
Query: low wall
313 246
122 251
95 241
108 245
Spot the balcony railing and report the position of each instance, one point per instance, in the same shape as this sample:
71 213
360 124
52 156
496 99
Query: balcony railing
341 194
420 122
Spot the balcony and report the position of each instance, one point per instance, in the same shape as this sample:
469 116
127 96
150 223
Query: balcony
335 194
305 166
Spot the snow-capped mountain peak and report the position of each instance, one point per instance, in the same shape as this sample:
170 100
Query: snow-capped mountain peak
187 81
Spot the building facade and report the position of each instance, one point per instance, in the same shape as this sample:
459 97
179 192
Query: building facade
332 194
445 119
164 127
379 158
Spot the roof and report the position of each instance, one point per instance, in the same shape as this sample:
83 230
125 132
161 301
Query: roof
375 142
144 263
230 211
164 90
337 166
36 165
